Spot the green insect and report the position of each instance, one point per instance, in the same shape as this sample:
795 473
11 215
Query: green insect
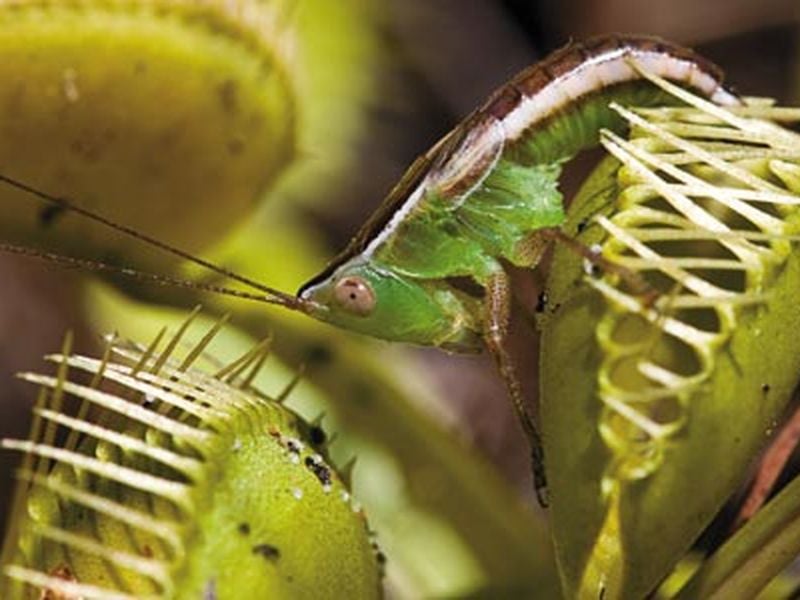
486 194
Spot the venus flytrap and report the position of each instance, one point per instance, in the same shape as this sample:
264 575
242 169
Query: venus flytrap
184 484
706 210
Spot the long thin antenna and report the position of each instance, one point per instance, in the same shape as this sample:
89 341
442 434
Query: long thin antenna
285 299
69 262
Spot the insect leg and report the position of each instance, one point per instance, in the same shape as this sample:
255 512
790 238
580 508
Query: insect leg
497 307
635 280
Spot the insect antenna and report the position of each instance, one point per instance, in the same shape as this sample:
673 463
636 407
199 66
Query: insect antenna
271 295
84 264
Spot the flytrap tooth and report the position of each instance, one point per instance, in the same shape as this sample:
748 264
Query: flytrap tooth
257 364
143 358
172 344
59 587
789 174
159 486
232 370
637 194
152 388
284 394
153 569
110 443
347 470
125 409
201 346
332 438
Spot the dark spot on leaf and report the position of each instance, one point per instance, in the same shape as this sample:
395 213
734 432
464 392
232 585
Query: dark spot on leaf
111 257
318 355
244 528
49 214
268 551
582 225
316 435
293 446
765 387
319 469
450 228
228 95
235 146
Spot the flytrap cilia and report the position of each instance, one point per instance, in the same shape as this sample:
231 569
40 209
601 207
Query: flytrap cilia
485 194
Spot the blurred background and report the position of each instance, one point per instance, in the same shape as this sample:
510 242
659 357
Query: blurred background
443 468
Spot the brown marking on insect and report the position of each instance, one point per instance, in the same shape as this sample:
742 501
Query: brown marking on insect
575 56
470 162
502 101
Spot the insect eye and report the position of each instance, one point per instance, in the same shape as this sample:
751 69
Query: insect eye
355 295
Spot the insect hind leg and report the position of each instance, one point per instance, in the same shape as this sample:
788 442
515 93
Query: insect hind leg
497 308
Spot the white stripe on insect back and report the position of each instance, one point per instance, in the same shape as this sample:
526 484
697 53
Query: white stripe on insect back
604 70
473 160
397 218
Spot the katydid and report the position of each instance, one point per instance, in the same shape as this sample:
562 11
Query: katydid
486 194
